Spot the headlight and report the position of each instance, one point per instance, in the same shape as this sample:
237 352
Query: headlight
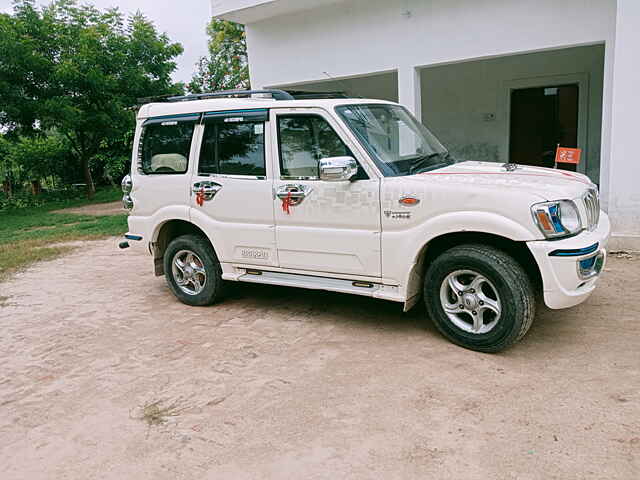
557 219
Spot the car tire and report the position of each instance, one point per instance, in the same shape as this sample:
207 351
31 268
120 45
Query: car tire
198 282
488 318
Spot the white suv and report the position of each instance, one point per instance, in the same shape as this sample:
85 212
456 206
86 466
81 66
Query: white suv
356 196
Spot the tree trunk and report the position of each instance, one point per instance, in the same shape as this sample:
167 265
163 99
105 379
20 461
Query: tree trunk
36 187
110 178
88 178
7 188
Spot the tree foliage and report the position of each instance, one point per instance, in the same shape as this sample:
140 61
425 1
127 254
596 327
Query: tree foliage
226 67
79 70
38 156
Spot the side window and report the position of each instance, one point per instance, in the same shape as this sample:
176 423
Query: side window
164 147
304 141
233 149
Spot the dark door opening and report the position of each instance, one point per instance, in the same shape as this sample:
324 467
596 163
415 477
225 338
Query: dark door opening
542 118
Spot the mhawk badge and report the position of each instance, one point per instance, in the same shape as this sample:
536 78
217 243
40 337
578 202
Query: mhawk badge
397 215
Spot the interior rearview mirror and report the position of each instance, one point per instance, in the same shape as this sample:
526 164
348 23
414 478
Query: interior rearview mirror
338 169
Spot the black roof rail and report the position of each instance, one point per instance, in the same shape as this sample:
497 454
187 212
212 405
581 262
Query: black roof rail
306 95
159 98
275 94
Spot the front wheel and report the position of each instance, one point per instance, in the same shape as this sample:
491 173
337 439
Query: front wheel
479 297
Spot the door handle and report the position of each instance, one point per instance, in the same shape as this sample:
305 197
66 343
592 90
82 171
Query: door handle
294 193
207 189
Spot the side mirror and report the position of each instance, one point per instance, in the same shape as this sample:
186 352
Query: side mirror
338 169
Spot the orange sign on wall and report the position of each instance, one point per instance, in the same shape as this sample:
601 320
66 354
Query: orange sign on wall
568 155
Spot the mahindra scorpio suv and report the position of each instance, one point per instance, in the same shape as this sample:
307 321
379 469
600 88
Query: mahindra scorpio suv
356 196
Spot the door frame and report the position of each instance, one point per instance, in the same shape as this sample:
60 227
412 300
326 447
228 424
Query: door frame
580 79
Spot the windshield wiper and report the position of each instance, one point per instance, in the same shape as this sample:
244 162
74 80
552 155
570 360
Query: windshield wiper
424 164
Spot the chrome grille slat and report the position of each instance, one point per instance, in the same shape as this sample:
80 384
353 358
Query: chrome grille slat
592 207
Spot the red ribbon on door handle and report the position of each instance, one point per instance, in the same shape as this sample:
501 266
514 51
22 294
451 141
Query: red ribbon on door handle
287 204
200 197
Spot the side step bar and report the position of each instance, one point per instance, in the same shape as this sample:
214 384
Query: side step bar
357 287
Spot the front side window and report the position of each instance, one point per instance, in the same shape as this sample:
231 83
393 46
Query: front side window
304 141
233 149
164 147
398 143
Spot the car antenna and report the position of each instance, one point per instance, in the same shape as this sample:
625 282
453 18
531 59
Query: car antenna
344 85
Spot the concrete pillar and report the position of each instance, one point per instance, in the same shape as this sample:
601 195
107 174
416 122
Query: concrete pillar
607 101
624 162
409 90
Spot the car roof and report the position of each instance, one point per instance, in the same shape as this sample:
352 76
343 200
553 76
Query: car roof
166 109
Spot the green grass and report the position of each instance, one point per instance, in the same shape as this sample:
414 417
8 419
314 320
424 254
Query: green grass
103 195
33 234
56 199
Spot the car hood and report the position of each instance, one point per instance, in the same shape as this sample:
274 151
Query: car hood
548 183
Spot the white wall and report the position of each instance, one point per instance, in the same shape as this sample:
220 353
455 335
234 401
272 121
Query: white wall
357 37
624 169
455 99
383 86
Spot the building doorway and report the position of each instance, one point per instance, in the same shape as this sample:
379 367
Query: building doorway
541 119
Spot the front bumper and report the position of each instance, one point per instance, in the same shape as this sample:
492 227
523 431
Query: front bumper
570 268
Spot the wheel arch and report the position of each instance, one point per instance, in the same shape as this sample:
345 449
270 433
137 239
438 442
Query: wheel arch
165 233
438 245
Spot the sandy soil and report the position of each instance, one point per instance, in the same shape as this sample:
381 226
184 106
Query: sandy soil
98 209
282 383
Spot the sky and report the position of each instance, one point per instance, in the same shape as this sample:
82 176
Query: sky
183 21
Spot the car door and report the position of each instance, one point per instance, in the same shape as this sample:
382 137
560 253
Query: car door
162 166
322 226
232 188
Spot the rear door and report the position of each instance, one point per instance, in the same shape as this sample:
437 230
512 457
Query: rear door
163 166
335 228
232 188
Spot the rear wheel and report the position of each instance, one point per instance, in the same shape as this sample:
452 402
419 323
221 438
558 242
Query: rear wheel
479 297
192 270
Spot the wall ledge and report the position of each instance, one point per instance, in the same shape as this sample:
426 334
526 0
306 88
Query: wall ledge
627 243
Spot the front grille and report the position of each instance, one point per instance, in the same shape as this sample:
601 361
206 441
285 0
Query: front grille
592 207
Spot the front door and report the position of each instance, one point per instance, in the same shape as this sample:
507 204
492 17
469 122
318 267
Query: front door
232 187
322 226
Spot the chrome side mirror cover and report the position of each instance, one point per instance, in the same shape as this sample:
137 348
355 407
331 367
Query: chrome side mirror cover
127 202
338 169
127 184
127 187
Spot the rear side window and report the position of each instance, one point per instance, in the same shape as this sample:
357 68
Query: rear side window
233 149
164 147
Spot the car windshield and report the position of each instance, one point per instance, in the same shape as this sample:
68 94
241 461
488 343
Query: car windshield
398 143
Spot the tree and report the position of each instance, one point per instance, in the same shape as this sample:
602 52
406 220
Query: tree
79 70
7 167
226 67
37 157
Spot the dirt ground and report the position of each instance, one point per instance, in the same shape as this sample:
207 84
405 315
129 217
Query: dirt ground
97 209
104 375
